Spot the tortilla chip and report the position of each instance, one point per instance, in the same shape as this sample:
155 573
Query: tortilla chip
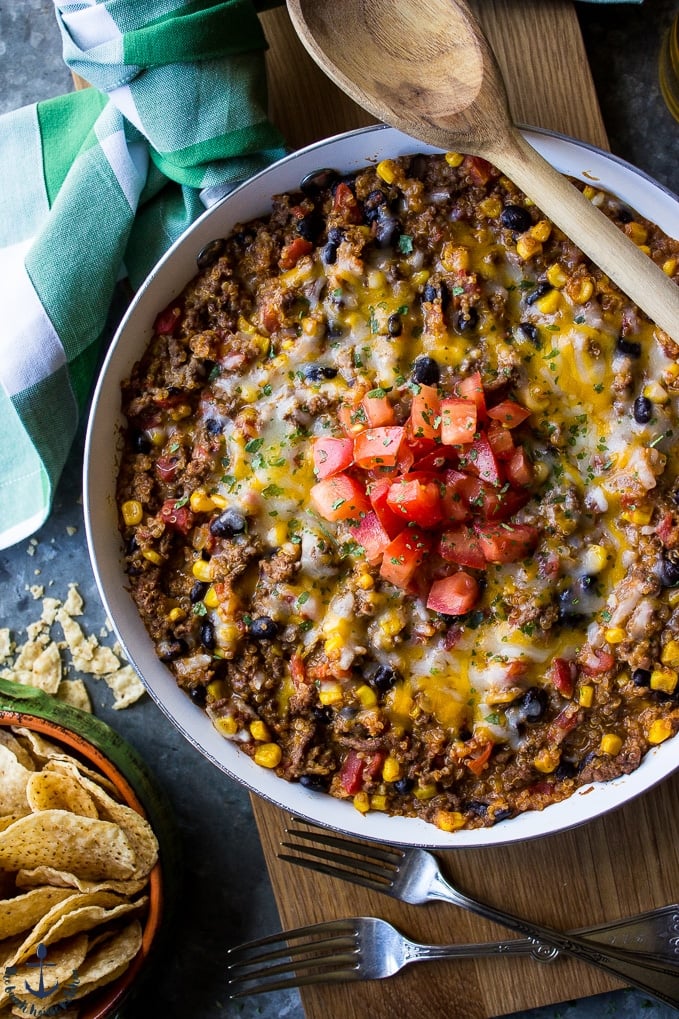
20 912
62 879
13 781
49 790
89 847
9 740
48 755
109 959
75 693
61 972
126 686
138 831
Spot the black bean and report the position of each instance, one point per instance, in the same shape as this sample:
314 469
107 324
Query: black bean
669 569
643 410
541 289
198 591
335 330
140 442
335 235
228 523
310 226
403 785
588 581
384 678
207 634
429 293
318 179
624 215
213 426
210 253
426 371
372 203
516 218
502 814
322 713
632 348
394 325
318 372
263 628
198 695
566 769
319 783
168 650
466 319
386 228
329 254
570 608
530 707
531 332
641 677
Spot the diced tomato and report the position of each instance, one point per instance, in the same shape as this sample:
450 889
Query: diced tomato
598 661
378 447
416 499
351 773
460 545
404 555
479 459
479 760
298 670
339 498
454 595
167 320
519 469
373 765
378 410
665 528
166 467
501 441
437 459
479 169
471 388
177 518
509 413
293 251
563 674
377 493
456 505
506 543
332 455
425 414
371 536
345 204
458 421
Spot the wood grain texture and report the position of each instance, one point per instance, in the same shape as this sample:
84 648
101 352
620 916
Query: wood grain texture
618 865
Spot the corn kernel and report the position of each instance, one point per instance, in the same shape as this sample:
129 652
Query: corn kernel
454 159
365 582
211 601
202 570
366 696
268 755
490 207
615 635
670 654
549 303
639 515
664 679
391 770
673 598
227 635
200 501
586 696
547 760
659 731
156 436
454 257
220 501
386 170
132 511
426 791
595 559
152 556
656 393
556 276
669 266
449 820
330 693
334 644
260 731
541 230
227 725
645 249
611 744
671 372
589 192
376 279
378 801
527 247
216 689
418 279
636 232
176 614
580 290
183 410
362 802
391 623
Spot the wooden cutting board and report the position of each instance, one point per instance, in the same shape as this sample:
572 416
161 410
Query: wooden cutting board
613 867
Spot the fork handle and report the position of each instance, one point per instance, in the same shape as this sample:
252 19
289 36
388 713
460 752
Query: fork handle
654 977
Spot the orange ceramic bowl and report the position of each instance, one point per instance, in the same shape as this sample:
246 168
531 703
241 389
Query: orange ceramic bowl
102 749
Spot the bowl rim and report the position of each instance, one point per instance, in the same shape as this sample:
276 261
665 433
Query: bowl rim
106 998
586 803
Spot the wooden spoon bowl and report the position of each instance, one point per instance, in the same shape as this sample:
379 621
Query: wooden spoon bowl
429 71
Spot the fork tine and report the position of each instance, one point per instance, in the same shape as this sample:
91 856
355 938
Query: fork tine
334 871
374 869
392 856
331 977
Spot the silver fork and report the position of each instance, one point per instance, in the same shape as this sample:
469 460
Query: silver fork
414 876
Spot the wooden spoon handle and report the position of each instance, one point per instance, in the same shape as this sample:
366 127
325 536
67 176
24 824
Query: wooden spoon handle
615 254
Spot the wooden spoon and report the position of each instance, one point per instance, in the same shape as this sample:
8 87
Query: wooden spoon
427 69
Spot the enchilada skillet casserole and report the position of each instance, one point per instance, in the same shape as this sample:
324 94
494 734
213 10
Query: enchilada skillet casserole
399 495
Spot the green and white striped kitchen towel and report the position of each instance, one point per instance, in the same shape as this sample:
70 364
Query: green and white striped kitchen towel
95 186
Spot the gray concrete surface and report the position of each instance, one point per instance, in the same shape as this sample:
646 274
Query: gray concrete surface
226 892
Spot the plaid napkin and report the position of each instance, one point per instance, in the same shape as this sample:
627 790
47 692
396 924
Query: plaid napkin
95 186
